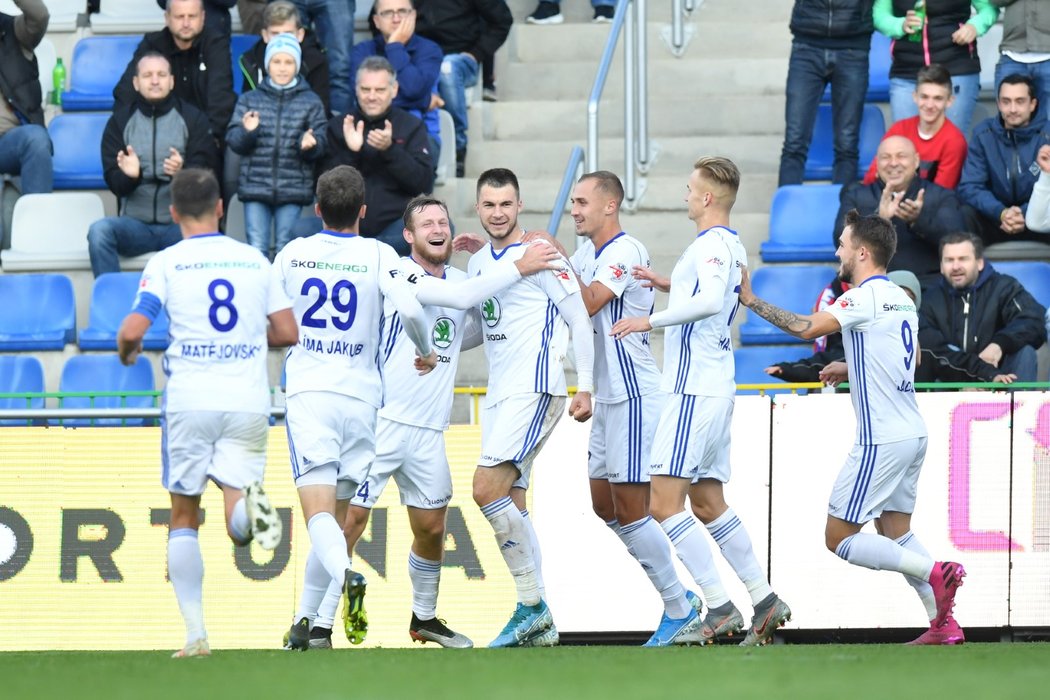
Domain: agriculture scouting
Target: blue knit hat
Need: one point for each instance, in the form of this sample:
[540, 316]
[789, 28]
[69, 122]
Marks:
[284, 43]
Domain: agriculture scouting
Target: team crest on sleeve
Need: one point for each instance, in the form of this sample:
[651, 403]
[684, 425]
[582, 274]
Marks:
[444, 332]
[491, 312]
[846, 302]
[619, 271]
[144, 281]
[715, 260]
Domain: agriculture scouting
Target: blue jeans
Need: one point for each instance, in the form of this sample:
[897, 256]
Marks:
[257, 219]
[26, 151]
[810, 69]
[965, 89]
[116, 236]
[1040, 72]
[1024, 364]
[333, 20]
[458, 72]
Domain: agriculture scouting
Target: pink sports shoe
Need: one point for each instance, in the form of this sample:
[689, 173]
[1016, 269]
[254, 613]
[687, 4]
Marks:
[945, 579]
[947, 634]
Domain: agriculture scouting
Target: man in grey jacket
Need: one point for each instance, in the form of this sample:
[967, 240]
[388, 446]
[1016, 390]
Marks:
[145, 143]
[1025, 47]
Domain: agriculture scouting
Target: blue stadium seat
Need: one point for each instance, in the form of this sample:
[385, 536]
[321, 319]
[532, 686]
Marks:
[801, 223]
[111, 300]
[239, 43]
[98, 63]
[879, 60]
[792, 287]
[821, 157]
[77, 139]
[83, 373]
[20, 374]
[1035, 276]
[752, 360]
[40, 312]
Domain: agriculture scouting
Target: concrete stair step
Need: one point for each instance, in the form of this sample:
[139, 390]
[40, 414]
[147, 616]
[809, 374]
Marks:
[576, 12]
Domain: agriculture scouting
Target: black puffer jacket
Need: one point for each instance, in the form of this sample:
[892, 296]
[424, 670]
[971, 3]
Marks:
[19, 76]
[956, 325]
[274, 169]
[314, 66]
[833, 24]
[943, 18]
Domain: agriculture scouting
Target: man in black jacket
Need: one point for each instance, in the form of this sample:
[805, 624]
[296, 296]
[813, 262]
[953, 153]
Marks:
[25, 147]
[976, 325]
[200, 63]
[921, 212]
[145, 143]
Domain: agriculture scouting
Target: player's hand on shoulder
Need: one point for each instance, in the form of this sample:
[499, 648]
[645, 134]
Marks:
[746, 295]
[834, 373]
[537, 258]
[651, 280]
[424, 365]
[466, 241]
[580, 409]
[544, 237]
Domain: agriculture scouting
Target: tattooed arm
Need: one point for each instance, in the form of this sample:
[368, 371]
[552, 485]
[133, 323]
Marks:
[805, 326]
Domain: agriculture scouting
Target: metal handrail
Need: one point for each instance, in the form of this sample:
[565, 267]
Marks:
[572, 171]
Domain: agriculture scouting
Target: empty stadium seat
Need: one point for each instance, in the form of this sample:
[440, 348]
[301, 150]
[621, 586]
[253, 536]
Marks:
[1035, 276]
[822, 149]
[801, 223]
[751, 362]
[105, 373]
[127, 17]
[40, 312]
[879, 61]
[792, 287]
[111, 300]
[98, 63]
[49, 231]
[77, 140]
[20, 374]
[239, 43]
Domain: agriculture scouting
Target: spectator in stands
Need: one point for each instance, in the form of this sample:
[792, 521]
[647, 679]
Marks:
[941, 146]
[200, 63]
[281, 17]
[416, 60]
[145, 143]
[1001, 168]
[1037, 217]
[549, 12]
[1025, 47]
[333, 20]
[278, 130]
[831, 43]
[388, 146]
[467, 31]
[216, 15]
[921, 212]
[977, 325]
[948, 36]
[25, 147]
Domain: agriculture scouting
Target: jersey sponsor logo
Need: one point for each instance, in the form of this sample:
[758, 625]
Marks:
[226, 265]
[619, 271]
[323, 265]
[898, 307]
[491, 312]
[495, 336]
[444, 332]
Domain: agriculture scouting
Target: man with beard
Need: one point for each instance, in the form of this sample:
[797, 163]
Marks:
[410, 441]
[878, 482]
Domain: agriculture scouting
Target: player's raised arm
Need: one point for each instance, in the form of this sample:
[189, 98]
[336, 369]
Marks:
[401, 294]
[805, 326]
[468, 293]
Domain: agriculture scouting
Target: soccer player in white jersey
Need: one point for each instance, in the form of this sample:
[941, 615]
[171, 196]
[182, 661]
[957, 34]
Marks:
[338, 282]
[879, 327]
[691, 448]
[410, 441]
[526, 337]
[219, 297]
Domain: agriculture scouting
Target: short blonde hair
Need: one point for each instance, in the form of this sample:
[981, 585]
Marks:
[722, 173]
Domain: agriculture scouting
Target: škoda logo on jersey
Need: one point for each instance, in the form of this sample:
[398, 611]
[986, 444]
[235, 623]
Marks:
[491, 312]
[444, 332]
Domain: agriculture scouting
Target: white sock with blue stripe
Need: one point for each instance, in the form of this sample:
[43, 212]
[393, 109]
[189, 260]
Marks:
[240, 528]
[315, 583]
[731, 537]
[615, 526]
[512, 538]
[186, 571]
[537, 556]
[878, 552]
[647, 542]
[426, 576]
[695, 553]
[910, 542]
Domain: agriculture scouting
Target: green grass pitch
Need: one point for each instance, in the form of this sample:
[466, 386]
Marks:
[849, 672]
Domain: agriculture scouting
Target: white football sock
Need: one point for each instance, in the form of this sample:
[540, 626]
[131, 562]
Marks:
[326, 611]
[315, 583]
[537, 556]
[186, 571]
[512, 538]
[650, 547]
[878, 552]
[695, 553]
[327, 540]
[426, 576]
[910, 542]
[731, 537]
[239, 525]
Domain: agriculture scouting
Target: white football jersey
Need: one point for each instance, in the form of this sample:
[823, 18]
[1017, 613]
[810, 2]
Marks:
[525, 336]
[337, 282]
[880, 330]
[698, 356]
[218, 293]
[423, 401]
[623, 369]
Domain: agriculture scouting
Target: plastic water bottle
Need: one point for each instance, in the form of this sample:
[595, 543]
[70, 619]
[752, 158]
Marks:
[58, 82]
[920, 12]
